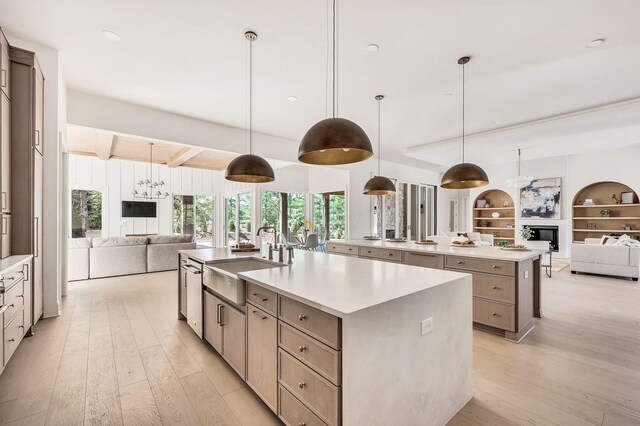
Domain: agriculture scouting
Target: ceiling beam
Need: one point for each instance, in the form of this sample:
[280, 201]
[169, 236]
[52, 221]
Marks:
[182, 156]
[104, 146]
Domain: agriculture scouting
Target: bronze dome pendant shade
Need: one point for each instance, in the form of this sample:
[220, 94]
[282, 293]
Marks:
[379, 185]
[334, 140]
[464, 175]
[250, 168]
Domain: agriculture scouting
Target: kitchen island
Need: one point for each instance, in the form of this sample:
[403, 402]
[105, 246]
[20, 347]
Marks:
[506, 284]
[334, 340]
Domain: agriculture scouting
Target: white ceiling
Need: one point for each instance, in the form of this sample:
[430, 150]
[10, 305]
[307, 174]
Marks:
[529, 61]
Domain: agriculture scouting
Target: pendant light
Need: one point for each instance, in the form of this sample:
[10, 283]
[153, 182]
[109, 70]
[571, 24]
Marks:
[250, 168]
[519, 181]
[379, 185]
[464, 175]
[334, 140]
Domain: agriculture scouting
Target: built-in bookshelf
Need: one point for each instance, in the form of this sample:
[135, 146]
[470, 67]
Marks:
[589, 221]
[502, 227]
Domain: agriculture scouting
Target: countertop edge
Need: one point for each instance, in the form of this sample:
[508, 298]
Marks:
[12, 261]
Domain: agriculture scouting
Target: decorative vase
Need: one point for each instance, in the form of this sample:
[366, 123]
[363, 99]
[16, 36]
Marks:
[495, 215]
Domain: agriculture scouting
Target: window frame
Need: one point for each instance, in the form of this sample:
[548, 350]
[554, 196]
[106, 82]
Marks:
[104, 191]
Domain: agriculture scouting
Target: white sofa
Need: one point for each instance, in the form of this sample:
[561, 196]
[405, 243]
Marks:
[605, 259]
[109, 257]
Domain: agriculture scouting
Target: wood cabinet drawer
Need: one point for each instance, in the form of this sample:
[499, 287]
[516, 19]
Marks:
[262, 355]
[260, 296]
[13, 334]
[317, 393]
[14, 297]
[495, 314]
[324, 327]
[499, 267]
[426, 260]
[11, 276]
[293, 412]
[342, 249]
[380, 253]
[496, 287]
[320, 357]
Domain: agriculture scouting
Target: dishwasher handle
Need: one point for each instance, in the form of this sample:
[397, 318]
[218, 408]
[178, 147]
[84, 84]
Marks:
[192, 269]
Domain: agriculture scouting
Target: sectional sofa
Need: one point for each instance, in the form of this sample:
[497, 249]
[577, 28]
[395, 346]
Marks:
[110, 257]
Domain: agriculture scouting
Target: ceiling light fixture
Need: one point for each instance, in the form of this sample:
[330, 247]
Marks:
[373, 48]
[110, 35]
[292, 98]
[379, 185]
[334, 140]
[149, 188]
[464, 175]
[518, 181]
[250, 168]
[594, 43]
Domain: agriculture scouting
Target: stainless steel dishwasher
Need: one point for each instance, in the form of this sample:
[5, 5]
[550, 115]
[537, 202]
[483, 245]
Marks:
[191, 273]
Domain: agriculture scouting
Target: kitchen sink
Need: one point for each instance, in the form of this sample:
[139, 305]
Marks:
[222, 277]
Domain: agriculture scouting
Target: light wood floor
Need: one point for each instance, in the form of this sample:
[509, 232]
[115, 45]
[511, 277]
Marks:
[118, 355]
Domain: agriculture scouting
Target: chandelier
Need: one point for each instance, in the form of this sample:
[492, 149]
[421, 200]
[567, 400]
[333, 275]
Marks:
[519, 181]
[150, 189]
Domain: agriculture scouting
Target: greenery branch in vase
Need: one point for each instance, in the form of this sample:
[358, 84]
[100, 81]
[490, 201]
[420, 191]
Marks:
[526, 233]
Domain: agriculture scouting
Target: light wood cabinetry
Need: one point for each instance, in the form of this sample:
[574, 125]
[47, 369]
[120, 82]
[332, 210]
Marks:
[426, 260]
[377, 253]
[5, 66]
[5, 154]
[499, 267]
[320, 325]
[590, 222]
[502, 227]
[263, 298]
[6, 235]
[224, 329]
[262, 358]
[344, 249]
[16, 308]
[27, 166]
[295, 413]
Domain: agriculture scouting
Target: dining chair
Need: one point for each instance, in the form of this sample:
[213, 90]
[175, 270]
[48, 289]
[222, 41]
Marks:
[323, 243]
[547, 257]
[312, 242]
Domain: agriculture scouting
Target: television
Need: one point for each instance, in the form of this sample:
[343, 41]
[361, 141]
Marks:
[139, 209]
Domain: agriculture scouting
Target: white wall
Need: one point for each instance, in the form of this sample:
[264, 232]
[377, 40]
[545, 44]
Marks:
[116, 178]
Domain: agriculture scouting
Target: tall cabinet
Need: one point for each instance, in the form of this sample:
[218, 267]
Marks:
[5, 147]
[27, 166]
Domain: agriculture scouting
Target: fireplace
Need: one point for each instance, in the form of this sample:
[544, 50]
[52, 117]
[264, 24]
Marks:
[545, 233]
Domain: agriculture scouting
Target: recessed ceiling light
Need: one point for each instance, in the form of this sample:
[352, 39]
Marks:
[292, 98]
[594, 43]
[373, 48]
[111, 35]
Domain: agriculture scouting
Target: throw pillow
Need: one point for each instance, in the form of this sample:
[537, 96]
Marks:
[474, 236]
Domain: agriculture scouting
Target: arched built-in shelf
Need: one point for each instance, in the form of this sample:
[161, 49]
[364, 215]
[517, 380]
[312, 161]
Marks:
[589, 222]
[503, 227]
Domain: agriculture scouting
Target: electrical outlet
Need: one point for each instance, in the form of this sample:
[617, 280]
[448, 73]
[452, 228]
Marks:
[526, 274]
[426, 326]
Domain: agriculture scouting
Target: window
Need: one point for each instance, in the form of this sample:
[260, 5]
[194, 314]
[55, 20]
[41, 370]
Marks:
[86, 212]
[194, 215]
[295, 214]
[409, 213]
[270, 209]
[329, 214]
[238, 219]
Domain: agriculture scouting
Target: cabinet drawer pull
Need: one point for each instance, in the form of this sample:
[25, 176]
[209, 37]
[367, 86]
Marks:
[369, 251]
[349, 249]
[218, 313]
[302, 348]
[495, 287]
[4, 78]
[302, 424]
[302, 317]
[495, 266]
[221, 315]
[390, 254]
[494, 314]
[259, 315]
[21, 326]
[460, 262]
[3, 308]
[301, 385]
[12, 340]
[260, 296]
[20, 295]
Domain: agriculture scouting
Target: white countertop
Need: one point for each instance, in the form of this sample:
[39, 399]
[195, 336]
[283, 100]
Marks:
[483, 252]
[343, 285]
[10, 262]
[215, 254]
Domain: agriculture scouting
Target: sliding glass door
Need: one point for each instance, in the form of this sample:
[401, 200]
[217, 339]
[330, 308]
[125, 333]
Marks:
[409, 213]
[193, 214]
[238, 217]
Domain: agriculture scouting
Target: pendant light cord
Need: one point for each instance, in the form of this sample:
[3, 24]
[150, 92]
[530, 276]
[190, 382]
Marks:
[334, 74]
[463, 117]
[250, 96]
[379, 149]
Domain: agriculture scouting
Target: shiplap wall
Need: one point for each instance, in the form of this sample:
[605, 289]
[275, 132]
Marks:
[116, 179]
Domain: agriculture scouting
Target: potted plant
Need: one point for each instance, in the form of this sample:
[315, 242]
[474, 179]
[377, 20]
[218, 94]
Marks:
[605, 213]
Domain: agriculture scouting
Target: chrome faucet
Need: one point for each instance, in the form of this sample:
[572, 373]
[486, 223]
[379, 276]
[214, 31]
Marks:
[290, 252]
[265, 228]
